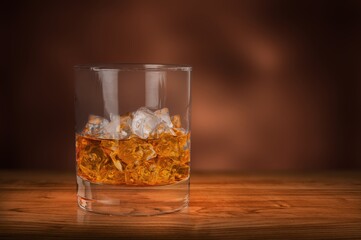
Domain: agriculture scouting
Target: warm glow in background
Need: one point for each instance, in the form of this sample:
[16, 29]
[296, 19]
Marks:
[276, 84]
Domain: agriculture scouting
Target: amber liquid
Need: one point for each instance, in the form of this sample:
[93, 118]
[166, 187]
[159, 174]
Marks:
[134, 161]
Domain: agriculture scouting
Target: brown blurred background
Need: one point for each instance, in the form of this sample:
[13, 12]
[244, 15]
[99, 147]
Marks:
[276, 84]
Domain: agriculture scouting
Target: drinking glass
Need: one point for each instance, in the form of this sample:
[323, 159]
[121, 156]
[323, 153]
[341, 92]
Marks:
[133, 138]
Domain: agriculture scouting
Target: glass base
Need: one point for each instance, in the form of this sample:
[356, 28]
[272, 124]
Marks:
[129, 200]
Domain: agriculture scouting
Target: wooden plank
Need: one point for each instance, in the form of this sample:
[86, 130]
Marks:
[42, 205]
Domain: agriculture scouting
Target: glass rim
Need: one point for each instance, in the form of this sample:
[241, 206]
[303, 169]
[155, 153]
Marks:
[134, 67]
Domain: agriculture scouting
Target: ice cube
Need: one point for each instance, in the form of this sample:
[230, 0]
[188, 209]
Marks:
[160, 129]
[163, 115]
[113, 126]
[176, 120]
[95, 125]
[135, 150]
[119, 126]
[165, 125]
[144, 122]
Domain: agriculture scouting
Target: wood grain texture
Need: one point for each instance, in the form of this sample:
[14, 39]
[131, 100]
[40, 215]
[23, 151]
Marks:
[42, 205]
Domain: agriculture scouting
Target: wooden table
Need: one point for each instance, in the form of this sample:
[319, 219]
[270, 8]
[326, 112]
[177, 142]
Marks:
[324, 205]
